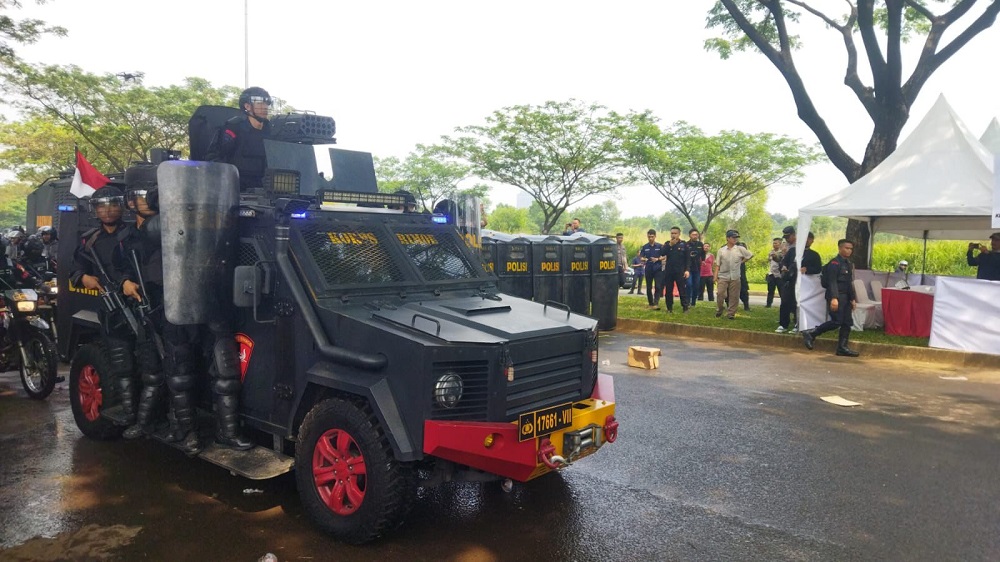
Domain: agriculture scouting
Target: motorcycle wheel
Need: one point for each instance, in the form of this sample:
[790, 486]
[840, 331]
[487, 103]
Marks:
[39, 365]
[90, 392]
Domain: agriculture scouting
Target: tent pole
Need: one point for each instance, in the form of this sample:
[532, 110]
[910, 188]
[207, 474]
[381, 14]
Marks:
[923, 264]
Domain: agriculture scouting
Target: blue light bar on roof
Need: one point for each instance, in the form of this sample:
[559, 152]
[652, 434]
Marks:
[67, 208]
[298, 215]
[440, 219]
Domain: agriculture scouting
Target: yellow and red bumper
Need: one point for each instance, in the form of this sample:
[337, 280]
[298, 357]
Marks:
[496, 448]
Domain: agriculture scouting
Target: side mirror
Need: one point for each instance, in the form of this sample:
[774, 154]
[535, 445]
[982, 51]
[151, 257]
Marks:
[247, 286]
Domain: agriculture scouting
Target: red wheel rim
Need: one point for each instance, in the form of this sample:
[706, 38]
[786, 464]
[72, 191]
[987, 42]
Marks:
[339, 472]
[91, 396]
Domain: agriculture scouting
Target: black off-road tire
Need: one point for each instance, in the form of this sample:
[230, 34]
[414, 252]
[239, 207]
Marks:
[39, 347]
[388, 486]
[90, 391]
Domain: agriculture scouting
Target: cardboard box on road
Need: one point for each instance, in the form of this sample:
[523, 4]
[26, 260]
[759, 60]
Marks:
[644, 357]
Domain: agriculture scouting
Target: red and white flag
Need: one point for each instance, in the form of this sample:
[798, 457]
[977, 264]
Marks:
[87, 179]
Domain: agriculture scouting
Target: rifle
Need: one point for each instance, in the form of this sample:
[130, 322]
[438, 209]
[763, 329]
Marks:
[113, 301]
[145, 308]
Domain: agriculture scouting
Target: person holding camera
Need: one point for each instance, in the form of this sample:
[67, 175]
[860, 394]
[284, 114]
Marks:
[988, 260]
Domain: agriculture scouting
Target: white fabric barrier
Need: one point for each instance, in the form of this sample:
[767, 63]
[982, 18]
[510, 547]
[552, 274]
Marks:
[812, 302]
[965, 313]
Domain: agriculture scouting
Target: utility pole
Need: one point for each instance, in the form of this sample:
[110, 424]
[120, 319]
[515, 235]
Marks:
[246, 44]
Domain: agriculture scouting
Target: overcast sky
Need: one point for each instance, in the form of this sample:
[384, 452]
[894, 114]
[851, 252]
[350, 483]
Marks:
[397, 73]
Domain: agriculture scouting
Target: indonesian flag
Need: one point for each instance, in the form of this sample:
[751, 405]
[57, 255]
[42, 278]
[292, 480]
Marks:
[87, 179]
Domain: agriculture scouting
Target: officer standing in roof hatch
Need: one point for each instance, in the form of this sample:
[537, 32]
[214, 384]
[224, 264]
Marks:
[240, 141]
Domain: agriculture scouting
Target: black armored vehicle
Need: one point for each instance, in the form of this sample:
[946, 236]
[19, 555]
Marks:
[376, 353]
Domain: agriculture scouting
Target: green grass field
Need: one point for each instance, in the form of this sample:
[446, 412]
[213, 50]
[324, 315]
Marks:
[757, 319]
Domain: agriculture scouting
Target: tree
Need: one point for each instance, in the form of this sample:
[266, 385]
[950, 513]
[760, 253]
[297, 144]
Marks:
[511, 220]
[560, 153]
[882, 27]
[597, 219]
[694, 171]
[25, 31]
[429, 174]
[119, 120]
[14, 202]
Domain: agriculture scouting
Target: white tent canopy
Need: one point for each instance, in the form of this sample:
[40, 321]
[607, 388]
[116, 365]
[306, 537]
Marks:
[991, 137]
[938, 184]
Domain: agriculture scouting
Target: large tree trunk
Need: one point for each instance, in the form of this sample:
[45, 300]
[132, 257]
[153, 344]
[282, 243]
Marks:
[882, 143]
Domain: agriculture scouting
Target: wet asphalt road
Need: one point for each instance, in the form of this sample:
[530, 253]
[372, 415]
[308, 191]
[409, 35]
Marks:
[723, 454]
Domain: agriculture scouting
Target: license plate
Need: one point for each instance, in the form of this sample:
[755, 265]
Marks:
[543, 422]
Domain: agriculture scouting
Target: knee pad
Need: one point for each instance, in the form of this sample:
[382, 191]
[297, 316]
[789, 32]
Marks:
[226, 387]
[227, 358]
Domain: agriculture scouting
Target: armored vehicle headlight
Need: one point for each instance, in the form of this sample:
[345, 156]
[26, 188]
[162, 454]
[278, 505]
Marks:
[448, 390]
[30, 306]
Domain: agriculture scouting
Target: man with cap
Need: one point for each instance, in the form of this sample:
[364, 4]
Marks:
[838, 278]
[728, 260]
[988, 260]
[786, 287]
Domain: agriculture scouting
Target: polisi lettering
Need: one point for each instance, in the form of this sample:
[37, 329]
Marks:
[550, 266]
[607, 265]
[579, 266]
[517, 266]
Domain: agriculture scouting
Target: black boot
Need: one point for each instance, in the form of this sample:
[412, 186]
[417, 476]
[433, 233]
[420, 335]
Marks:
[808, 338]
[228, 432]
[126, 391]
[842, 349]
[149, 398]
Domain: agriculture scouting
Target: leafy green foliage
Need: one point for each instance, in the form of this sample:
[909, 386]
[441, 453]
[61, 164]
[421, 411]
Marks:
[24, 31]
[692, 170]
[505, 218]
[560, 153]
[14, 203]
[428, 173]
[115, 121]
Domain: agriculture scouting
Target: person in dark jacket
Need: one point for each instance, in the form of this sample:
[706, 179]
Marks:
[678, 259]
[697, 252]
[811, 263]
[240, 141]
[786, 286]
[838, 276]
[988, 261]
[651, 255]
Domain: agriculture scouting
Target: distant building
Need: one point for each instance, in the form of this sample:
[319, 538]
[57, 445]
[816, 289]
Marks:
[524, 200]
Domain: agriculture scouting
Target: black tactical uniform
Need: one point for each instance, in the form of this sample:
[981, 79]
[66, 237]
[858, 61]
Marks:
[150, 366]
[653, 272]
[696, 251]
[118, 339]
[786, 288]
[838, 276]
[240, 144]
[678, 258]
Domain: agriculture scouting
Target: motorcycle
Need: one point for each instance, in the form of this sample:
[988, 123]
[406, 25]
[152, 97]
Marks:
[25, 343]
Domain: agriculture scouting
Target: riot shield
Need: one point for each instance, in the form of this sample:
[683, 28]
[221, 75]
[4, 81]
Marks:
[199, 205]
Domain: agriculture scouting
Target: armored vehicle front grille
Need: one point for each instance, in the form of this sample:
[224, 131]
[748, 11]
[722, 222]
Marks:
[438, 257]
[475, 390]
[347, 255]
[247, 254]
[545, 382]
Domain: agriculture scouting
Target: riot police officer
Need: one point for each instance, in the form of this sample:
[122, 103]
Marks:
[240, 141]
[50, 241]
[141, 262]
[838, 279]
[106, 243]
